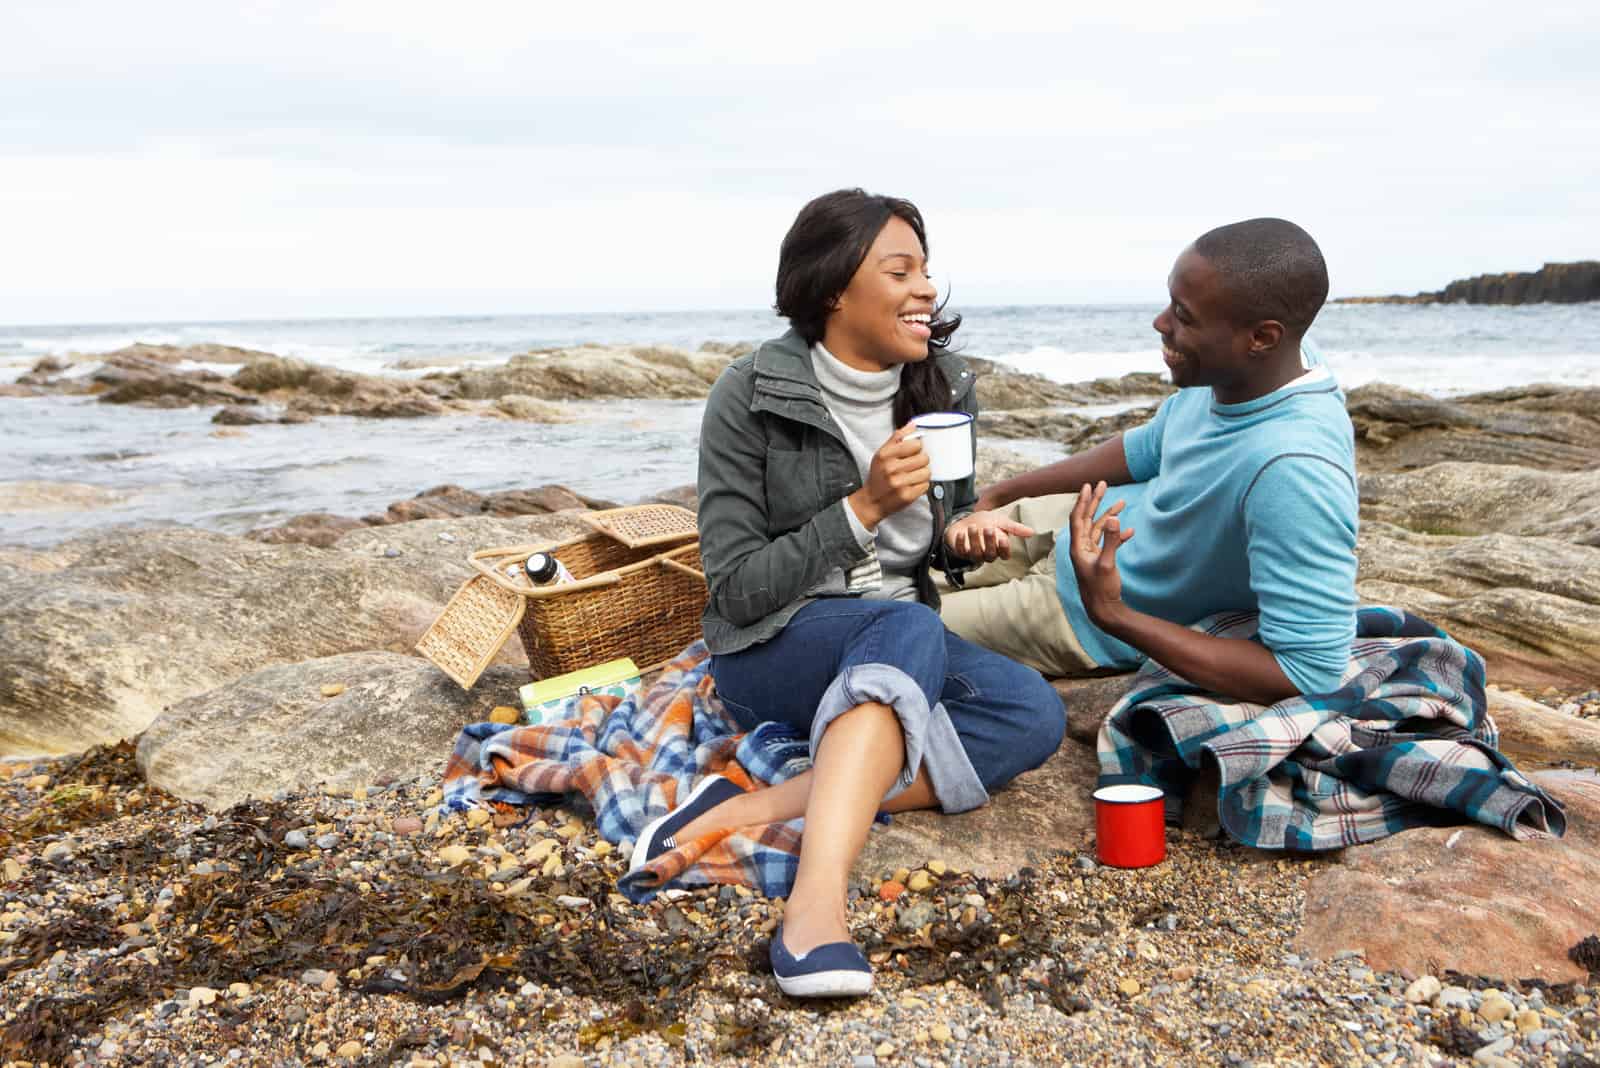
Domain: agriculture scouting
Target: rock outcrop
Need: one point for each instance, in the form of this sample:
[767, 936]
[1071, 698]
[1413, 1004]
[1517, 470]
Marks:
[100, 633]
[1467, 899]
[1530, 605]
[395, 717]
[1553, 428]
[441, 502]
[1469, 499]
[1554, 283]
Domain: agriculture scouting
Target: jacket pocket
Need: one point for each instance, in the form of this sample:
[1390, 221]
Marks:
[793, 487]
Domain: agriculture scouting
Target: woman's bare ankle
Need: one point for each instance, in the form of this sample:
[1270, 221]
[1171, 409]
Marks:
[806, 928]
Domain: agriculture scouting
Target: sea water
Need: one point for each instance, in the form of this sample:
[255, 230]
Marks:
[167, 466]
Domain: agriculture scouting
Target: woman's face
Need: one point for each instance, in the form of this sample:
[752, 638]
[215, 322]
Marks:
[882, 317]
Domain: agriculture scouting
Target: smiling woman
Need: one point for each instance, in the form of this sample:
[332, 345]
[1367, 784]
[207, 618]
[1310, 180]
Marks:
[819, 523]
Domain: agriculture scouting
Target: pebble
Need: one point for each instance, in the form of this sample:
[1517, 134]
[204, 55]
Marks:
[938, 867]
[315, 977]
[571, 901]
[504, 714]
[406, 826]
[57, 851]
[202, 995]
[1455, 997]
[350, 1050]
[455, 854]
[891, 890]
[1424, 990]
[1528, 1020]
[940, 1033]
[332, 689]
[12, 869]
[477, 817]
[884, 1049]
[864, 1060]
[1495, 1008]
[1129, 987]
[920, 882]
[296, 839]
[327, 841]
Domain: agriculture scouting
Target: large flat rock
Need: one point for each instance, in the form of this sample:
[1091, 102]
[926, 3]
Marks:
[99, 634]
[396, 718]
[1468, 899]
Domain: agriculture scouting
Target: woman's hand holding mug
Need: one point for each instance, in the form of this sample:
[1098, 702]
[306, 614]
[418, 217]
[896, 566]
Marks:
[898, 476]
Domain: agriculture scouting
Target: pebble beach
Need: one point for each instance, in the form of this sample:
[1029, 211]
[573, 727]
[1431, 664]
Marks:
[365, 927]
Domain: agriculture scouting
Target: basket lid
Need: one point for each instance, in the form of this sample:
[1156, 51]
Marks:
[644, 524]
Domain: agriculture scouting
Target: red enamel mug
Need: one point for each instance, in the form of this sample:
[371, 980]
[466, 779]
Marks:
[1130, 825]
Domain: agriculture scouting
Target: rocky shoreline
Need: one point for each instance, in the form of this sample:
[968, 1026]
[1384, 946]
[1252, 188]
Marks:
[1554, 283]
[262, 870]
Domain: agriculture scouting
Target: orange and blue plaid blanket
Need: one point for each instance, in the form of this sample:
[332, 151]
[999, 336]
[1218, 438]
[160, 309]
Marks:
[632, 759]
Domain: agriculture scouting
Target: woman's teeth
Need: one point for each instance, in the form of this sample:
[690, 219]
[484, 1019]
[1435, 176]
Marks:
[918, 318]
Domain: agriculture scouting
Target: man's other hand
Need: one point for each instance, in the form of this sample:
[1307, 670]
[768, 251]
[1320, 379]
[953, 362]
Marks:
[1094, 554]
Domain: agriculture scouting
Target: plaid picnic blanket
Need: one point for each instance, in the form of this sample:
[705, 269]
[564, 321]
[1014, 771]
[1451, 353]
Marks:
[632, 758]
[1405, 742]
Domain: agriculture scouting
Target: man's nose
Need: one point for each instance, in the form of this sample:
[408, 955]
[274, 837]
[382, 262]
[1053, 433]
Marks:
[1161, 321]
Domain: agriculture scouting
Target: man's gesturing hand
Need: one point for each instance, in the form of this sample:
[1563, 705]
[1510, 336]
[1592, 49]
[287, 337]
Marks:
[898, 476]
[984, 536]
[1094, 554]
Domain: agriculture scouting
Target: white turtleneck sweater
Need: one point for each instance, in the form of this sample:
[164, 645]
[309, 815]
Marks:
[862, 406]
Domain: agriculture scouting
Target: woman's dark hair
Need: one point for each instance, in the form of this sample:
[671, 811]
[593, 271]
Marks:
[820, 254]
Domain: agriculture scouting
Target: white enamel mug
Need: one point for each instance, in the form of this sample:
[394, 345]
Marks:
[947, 439]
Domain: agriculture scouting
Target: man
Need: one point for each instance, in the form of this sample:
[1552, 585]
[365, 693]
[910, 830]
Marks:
[1240, 495]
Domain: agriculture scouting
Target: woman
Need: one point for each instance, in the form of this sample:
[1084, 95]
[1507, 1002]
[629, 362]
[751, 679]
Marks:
[817, 530]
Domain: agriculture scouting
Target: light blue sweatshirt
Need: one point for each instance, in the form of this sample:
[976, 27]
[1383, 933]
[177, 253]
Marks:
[1240, 507]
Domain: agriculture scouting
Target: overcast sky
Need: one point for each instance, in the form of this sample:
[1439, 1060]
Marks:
[198, 161]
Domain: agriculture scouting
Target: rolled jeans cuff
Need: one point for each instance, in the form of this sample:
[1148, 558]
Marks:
[931, 740]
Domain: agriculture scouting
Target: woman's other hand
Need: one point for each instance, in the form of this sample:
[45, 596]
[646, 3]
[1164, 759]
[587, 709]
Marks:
[898, 476]
[984, 536]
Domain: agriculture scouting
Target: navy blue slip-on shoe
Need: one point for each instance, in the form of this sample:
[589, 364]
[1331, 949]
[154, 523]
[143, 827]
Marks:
[836, 970]
[657, 837]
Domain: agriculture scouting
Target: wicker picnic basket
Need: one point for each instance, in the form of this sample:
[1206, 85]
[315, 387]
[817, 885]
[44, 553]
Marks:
[639, 593]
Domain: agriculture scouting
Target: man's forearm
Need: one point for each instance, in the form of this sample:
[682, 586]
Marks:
[1235, 667]
[1106, 463]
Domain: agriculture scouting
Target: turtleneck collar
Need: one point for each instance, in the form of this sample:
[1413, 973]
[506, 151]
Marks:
[840, 380]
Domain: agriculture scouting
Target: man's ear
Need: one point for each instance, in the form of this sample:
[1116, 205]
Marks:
[1264, 337]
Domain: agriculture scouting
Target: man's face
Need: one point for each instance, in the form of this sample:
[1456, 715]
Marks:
[1200, 341]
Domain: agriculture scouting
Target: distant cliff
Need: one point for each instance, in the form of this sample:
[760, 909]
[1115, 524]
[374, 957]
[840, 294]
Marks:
[1554, 283]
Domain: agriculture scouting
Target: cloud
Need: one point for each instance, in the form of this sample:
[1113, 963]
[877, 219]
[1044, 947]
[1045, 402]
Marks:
[179, 159]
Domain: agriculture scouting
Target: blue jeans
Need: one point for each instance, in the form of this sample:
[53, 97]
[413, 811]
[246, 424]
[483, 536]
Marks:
[974, 719]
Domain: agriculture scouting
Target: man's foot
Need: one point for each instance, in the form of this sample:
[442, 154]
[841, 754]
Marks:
[834, 970]
[659, 836]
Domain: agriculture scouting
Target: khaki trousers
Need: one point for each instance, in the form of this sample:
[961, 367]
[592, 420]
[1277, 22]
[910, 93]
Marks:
[1011, 606]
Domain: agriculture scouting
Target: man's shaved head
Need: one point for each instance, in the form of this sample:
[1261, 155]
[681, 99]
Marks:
[1272, 270]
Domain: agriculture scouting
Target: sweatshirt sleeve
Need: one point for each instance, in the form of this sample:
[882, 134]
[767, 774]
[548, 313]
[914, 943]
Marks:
[1300, 518]
[1141, 446]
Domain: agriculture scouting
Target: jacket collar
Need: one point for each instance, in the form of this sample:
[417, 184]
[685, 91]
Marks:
[788, 359]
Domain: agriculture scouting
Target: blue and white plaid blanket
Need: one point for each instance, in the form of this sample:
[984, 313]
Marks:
[1406, 741]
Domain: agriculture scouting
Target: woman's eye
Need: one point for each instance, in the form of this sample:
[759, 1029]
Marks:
[898, 274]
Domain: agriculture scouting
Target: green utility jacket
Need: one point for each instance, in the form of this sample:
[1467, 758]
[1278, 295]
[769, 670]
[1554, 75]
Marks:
[774, 473]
